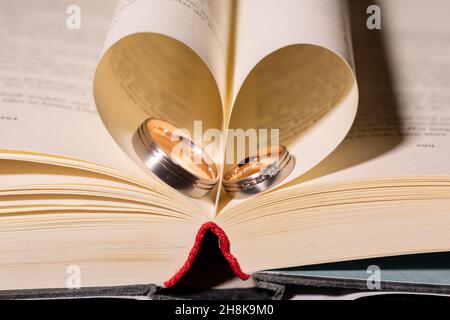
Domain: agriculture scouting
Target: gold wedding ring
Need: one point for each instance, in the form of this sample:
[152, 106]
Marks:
[259, 172]
[175, 158]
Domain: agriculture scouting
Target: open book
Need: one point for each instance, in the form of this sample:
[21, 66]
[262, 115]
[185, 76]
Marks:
[370, 178]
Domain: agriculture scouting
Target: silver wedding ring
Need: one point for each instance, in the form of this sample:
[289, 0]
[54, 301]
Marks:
[259, 172]
[175, 158]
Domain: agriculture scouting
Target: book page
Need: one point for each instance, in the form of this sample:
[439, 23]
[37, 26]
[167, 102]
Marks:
[293, 73]
[403, 122]
[46, 103]
[164, 59]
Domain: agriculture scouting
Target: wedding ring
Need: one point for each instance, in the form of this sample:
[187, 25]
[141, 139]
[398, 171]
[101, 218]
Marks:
[175, 158]
[259, 172]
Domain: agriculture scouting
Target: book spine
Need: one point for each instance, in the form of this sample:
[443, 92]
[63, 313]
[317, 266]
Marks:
[224, 245]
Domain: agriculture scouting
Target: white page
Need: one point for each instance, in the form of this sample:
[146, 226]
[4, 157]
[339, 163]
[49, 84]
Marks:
[46, 103]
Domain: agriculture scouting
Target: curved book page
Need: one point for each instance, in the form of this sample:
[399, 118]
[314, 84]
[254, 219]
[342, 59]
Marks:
[163, 59]
[294, 72]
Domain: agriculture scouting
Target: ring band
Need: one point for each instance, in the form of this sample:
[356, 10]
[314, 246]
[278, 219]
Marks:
[259, 172]
[164, 153]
